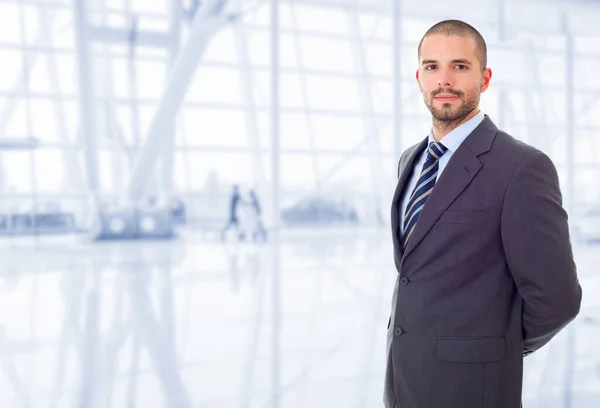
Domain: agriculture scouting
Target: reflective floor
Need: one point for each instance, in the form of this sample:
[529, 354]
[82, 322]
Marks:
[196, 323]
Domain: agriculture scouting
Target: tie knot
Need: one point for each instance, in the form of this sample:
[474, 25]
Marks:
[436, 150]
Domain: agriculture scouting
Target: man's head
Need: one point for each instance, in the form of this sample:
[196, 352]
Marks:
[452, 70]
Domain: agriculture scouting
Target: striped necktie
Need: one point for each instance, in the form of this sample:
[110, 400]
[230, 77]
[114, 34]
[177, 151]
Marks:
[422, 190]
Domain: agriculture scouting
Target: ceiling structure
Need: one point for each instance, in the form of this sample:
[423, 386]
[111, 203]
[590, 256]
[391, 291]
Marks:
[517, 13]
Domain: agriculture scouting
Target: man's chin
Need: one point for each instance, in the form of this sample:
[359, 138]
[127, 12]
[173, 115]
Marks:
[449, 115]
[446, 117]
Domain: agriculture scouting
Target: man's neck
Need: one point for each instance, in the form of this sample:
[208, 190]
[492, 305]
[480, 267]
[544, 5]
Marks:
[442, 128]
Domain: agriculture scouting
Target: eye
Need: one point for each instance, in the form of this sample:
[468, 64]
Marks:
[432, 66]
[461, 66]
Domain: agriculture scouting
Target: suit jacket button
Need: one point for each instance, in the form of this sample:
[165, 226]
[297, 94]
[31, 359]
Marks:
[398, 331]
[404, 281]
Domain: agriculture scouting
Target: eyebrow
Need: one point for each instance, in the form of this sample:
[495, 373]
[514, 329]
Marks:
[454, 61]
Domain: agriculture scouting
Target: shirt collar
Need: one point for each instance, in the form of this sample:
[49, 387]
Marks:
[454, 139]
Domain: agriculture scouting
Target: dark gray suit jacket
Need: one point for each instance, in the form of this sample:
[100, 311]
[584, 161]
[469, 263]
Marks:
[487, 277]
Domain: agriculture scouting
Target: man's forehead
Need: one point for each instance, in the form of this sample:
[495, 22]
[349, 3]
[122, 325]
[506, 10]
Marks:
[440, 41]
[448, 47]
[432, 38]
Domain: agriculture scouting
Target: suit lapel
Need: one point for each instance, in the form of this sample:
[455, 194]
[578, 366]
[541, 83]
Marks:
[405, 173]
[460, 170]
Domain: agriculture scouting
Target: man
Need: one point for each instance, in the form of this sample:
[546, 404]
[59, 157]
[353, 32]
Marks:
[485, 267]
[258, 229]
[234, 220]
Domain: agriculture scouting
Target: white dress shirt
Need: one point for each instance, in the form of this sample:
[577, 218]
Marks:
[452, 141]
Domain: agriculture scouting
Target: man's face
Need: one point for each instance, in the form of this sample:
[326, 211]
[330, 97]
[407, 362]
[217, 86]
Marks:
[450, 76]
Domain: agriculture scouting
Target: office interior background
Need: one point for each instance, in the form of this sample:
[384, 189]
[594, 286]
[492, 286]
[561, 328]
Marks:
[126, 125]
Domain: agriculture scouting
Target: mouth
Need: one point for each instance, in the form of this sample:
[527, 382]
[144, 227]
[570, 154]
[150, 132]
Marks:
[446, 97]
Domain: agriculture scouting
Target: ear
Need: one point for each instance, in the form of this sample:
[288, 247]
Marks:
[485, 82]
[418, 82]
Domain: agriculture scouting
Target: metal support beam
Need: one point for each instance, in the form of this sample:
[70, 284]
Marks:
[305, 100]
[108, 128]
[112, 35]
[366, 101]
[74, 179]
[202, 29]
[166, 174]
[17, 91]
[397, 77]
[133, 89]
[276, 207]
[501, 38]
[18, 144]
[251, 113]
[87, 120]
[570, 204]
[538, 127]
[569, 117]
[28, 113]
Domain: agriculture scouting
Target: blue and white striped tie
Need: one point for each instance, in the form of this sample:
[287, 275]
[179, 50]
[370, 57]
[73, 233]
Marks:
[422, 190]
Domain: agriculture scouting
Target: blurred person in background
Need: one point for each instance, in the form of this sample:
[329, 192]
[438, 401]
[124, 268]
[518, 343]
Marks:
[485, 270]
[234, 214]
[258, 230]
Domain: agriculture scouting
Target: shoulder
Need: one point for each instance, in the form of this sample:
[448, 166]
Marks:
[514, 153]
[517, 159]
[507, 143]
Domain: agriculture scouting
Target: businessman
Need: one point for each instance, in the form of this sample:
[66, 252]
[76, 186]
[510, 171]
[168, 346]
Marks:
[485, 270]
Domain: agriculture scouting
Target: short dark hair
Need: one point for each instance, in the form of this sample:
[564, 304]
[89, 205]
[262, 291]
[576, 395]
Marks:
[460, 28]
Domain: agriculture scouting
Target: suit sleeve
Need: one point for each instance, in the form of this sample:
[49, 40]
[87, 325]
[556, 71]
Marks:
[537, 246]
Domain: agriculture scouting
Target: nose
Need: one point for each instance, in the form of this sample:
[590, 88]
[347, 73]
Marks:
[444, 80]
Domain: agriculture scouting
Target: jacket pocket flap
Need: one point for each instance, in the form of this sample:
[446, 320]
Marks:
[471, 349]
